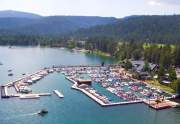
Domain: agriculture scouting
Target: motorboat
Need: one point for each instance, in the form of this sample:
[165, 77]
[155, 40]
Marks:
[25, 89]
[43, 112]
[10, 74]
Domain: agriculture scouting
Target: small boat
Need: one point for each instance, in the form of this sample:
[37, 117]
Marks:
[23, 73]
[10, 74]
[9, 70]
[1, 63]
[24, 89]
[42, 112]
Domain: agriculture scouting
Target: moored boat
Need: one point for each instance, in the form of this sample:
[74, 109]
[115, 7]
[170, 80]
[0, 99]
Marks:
[10, 74]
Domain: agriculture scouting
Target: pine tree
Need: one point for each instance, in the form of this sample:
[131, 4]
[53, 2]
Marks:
[146, 66]
[172, 73]
[161, 72]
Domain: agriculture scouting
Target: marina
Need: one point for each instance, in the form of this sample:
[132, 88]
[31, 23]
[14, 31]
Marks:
[76, 107]
[115, 80]
[22, 88]
[107, 85]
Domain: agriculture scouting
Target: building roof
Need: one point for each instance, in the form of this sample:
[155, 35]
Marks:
[139, 65]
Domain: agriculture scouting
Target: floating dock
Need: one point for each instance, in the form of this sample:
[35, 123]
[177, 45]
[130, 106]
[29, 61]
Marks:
[162, 105]
[29, 96]
[59, 94]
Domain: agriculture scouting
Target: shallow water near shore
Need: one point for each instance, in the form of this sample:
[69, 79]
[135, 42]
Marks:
[75, 107]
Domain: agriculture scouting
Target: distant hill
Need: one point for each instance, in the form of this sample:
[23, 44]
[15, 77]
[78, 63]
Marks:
[138, 28]
[14, 22]
[164, 29]
[17, 14]
[55, 25]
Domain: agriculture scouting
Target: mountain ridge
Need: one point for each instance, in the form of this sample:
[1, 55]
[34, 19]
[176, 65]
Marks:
[18, 14]
[141, 28]
[24, 23]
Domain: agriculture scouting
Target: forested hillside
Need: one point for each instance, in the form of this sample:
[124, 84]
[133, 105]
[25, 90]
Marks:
[20, 23]
[162, 29]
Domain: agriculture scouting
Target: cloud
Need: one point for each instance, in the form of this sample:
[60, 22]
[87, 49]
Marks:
[154, 3]
[164, 2]
[174, 2]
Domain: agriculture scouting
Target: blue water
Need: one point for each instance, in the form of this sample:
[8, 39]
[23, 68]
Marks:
[107, 93]
[75, 107]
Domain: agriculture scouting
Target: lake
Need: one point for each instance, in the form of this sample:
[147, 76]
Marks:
[75, 107]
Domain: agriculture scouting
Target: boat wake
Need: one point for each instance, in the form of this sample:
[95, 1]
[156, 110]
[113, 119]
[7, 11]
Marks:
[19, 116]
[29, 114]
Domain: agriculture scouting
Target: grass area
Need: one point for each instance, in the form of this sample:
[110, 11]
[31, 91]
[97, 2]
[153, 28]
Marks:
[156, 84]
[147, 45]
[100, 53]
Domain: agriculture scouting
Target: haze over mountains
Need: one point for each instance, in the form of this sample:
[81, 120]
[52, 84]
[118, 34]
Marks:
[131, 28]
[14, 22]
[17, 14]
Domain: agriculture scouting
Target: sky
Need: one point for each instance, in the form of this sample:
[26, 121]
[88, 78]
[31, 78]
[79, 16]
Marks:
[106, 8]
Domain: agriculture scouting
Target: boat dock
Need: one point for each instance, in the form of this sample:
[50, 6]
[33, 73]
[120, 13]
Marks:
[15, 84]
[98, 74]
[59, 94]
[30, 96]
[161, 105]
[99, 101]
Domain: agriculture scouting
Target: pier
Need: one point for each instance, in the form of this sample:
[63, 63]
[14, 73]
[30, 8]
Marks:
[162, 105]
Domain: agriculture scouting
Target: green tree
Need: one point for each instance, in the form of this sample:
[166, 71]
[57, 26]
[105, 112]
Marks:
[172, 73]
[136, 76]
[137, 54]
[128, 64]
[161, 72]
[146, 66]
[176, 85]
[71, 44]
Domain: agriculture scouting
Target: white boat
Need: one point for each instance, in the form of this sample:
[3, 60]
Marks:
[59, 94]
[25, 89]
[29, 82]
